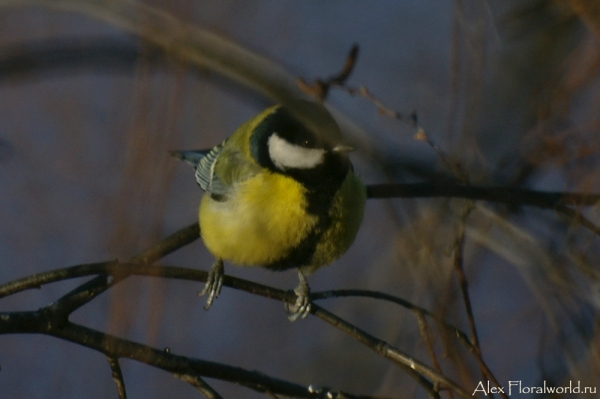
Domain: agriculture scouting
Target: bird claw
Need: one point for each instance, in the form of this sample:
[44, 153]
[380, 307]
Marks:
[301, 308]
[214, 282]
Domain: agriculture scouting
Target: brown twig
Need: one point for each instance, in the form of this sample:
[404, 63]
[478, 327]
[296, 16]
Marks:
[410, 119]
[578, 218]
[417, 310]
[320, 88]
[462, 278]
[463, 283]
[426, 334]
[88, 291]
[117, 376]
[464, 289]
[419, 371]
[197, 382]
[315, 296]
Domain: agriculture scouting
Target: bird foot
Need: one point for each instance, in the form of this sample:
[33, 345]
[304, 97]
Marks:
[301, 308]
[214, 282]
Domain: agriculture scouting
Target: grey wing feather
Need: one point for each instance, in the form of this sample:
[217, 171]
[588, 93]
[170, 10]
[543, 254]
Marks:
[204, 162]
[205, 172]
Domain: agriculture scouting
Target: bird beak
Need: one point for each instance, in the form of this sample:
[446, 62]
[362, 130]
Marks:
[343, 149]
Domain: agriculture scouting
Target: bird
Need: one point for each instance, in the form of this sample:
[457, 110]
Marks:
[280, 193]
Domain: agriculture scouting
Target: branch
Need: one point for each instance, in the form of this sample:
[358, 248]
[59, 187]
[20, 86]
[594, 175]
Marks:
[65, 54]
[55, 319]
[184, 42]
[475, 348]
[506, 195]
[320, 88]
[556, 200]
[406, 362]
[426, 334]
[90, 290]
[117, 375]
[463, 337]
[197, 382]
[418, 311]
[185, 368]
[114, 347]
[182, 273]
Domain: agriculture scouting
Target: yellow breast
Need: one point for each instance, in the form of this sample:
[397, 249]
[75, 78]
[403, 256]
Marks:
[261, 221]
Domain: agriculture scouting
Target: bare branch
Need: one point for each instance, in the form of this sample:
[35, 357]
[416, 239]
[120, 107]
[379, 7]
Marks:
[88, 291]
[117, 375]
[52, 321]
[320, 88]
[426, 334]
[113, 347]
[462, 278]
[475, 349]
[463, 337]
[200, 384]
[506, 195]
[64, 55]
[417, 370]
[181, 273]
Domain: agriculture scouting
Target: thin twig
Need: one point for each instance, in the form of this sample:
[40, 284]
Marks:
[410, 119]
[417, 370]
[36, 281]
[462, 279]
[578, 218]
[315, 296]
[197, 382]
[426, 334]
[90, 290]
[320, 88]
[463, 283]
[464, 288]
[117, 376]
[460, 335]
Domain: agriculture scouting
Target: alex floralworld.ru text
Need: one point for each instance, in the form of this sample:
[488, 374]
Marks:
[517, 387]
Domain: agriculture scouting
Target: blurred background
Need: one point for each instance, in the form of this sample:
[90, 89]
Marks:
[508, 90]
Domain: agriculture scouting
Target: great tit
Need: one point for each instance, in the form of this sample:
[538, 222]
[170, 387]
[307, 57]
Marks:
[280, 193]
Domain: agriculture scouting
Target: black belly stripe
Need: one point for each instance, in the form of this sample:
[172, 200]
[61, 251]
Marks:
[319, 202]
[302, 254]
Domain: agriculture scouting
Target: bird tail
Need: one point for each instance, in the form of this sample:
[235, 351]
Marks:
[190, 157]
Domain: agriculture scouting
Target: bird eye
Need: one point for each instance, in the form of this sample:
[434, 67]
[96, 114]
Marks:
[306, 141]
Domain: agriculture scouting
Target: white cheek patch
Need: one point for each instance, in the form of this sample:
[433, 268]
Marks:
[289, 156]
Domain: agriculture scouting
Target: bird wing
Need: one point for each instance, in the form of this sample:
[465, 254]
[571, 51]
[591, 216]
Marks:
[204, 161]
[205, 171]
